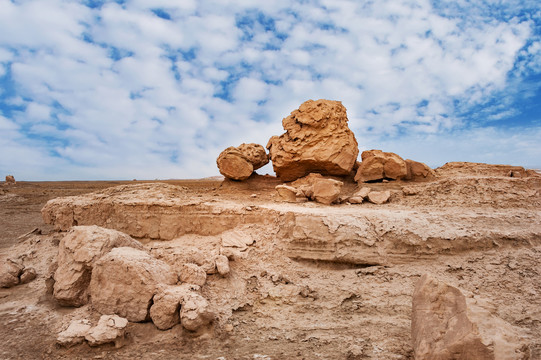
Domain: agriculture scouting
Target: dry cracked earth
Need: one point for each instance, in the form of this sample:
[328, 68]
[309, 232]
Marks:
[318, 281]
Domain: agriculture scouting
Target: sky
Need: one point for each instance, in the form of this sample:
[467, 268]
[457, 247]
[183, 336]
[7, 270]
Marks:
[156, 89]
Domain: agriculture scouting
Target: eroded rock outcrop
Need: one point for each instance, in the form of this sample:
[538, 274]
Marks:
[444, 326]
[124, 281]
[238, 163]
[77, 253]
[317, 139]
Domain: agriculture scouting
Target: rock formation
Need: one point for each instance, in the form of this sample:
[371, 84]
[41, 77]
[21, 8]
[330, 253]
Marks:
[110, 329]
[165, 310]
[445, 327]
[10, 180]
[124, 281]
[378, 165]
[77, 253]
[9, 273]
[13, 273]
[193, 274]
[317, 139]
[195, 312]
[418, 171]
[238, 163]
[75, 333]
[311, 187]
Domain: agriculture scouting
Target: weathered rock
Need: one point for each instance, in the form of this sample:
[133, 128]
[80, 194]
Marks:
[10, 180]
[379, 165]
[195, 312]
[193, 274]
[418, 171]
[124, 281]
[237, 239]
[327, 191]
[317, 139]
[355, 200]
[287, 193]
[77, 253]
[238, 163]
[9, 273]
[74, 334]
[222, 264]
[28, 275]
[110, 329]
[445, 327]
[165, 310]
[379, 197]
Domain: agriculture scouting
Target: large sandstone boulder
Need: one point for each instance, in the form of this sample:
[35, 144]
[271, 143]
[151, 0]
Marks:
[77, 253]
[238, 163]
[125, 280]
[444, 326]
[317, 139]
[10, 180]
[379, 165]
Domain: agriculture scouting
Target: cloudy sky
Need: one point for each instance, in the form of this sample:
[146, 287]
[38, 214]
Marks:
[157, 88]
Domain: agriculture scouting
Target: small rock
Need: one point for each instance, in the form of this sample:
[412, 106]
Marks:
[165, 310]
[410, 190]
[193, 274]
[229, 327]
[355, 200]
[379, 197]
[10, 180]
[363, 192]
[28, 275]
[327, 191]
[222, 264]
[74, 334]
[110, 329]
[9, 273]
[195, 312]
[287, 193]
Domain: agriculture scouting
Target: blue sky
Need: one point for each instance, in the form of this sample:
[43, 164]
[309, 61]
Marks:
[157, 88]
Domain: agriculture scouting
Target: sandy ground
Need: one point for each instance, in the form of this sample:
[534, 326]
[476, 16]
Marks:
[271, 306]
